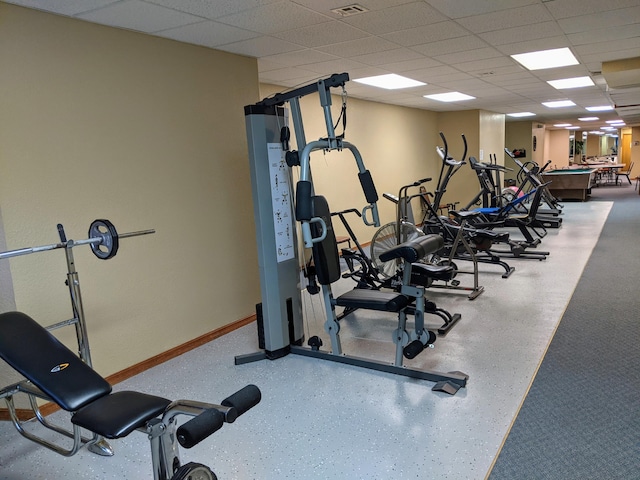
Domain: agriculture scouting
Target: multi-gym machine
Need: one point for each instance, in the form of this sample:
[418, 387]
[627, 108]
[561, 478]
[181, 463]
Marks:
[280, 318]
[55, 374]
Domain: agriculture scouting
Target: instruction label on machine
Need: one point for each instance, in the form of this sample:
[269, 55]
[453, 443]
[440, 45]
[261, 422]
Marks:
[281, 202]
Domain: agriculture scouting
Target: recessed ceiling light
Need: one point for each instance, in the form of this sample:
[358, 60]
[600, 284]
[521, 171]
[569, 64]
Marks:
[588, 119]
[601, 108]
[608, 128]
[556, 57]
[596, 132]
[573, 128]
[559, 104]
[575, 82]
[559, 125]
[614, 121]
[521, 114]
[449, 97]
[390, 81]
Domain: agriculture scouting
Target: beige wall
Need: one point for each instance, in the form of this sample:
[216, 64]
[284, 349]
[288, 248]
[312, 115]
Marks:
[149, 133]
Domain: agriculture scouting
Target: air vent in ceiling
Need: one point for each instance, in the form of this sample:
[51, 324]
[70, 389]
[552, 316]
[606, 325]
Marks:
[349, 10]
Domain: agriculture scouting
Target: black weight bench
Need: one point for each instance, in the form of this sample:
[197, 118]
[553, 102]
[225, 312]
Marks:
[408, 300]
[55, 373]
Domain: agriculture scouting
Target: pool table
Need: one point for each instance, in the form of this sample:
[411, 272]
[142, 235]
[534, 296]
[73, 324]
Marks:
[570, 184]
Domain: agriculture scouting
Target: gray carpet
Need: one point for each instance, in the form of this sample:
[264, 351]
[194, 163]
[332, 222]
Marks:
[581, 418]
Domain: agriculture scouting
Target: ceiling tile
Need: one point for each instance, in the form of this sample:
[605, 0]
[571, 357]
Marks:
[299, 57]
[466, 8]
[273, 18]
[326, 33]
[286, 75]
[512, 17]
[64, 7]
[534, 45]
[607, 19]
[575, 8]
[392, 19]
[208, 33]
[452, 45]
[212, 9]
[386, 56]
[359, 47]
[260, 47]
[598, 35]
[613, 46]
[477, 54]
[342, 65]
[426, 33]
[522, 33]
[409, 65]
[325, 6]
[140, 16]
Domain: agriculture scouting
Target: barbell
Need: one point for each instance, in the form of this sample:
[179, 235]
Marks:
[103, 239]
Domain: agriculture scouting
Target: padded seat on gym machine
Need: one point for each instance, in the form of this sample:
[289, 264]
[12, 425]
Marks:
[373, 300]
[58, 373]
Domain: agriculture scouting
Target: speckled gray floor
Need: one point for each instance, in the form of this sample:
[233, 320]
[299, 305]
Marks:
[320, 420]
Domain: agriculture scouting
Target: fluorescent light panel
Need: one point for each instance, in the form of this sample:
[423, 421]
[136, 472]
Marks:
[600, 108]
[559, 125]
[588, 119]
[449, 97]
[575, 82]
[559, 104]
[390, 81]
[556, 57]
[521, 114]
[614, 121]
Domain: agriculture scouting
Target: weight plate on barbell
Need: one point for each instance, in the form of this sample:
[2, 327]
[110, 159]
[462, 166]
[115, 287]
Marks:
[108, 245]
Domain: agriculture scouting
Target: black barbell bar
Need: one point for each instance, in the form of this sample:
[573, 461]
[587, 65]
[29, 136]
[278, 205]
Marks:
[104, 240]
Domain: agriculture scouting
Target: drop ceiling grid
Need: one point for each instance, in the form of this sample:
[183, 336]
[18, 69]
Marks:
[434, 34]
[299, 57]
[140, 16]
[395, 18]
[386, 56]
[605, 19]
[209, 33]
[522, 33]
[427, 33]
[322, 34]
[274, 18]
[260, 47]
[467, 8]
[575, 8]
[452, 45]
[512, 17]
[212, 10]
[360, 46]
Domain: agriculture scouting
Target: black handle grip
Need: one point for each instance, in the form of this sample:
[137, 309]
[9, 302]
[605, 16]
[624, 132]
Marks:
[244, 399]
[198, 428]
[63, 236]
